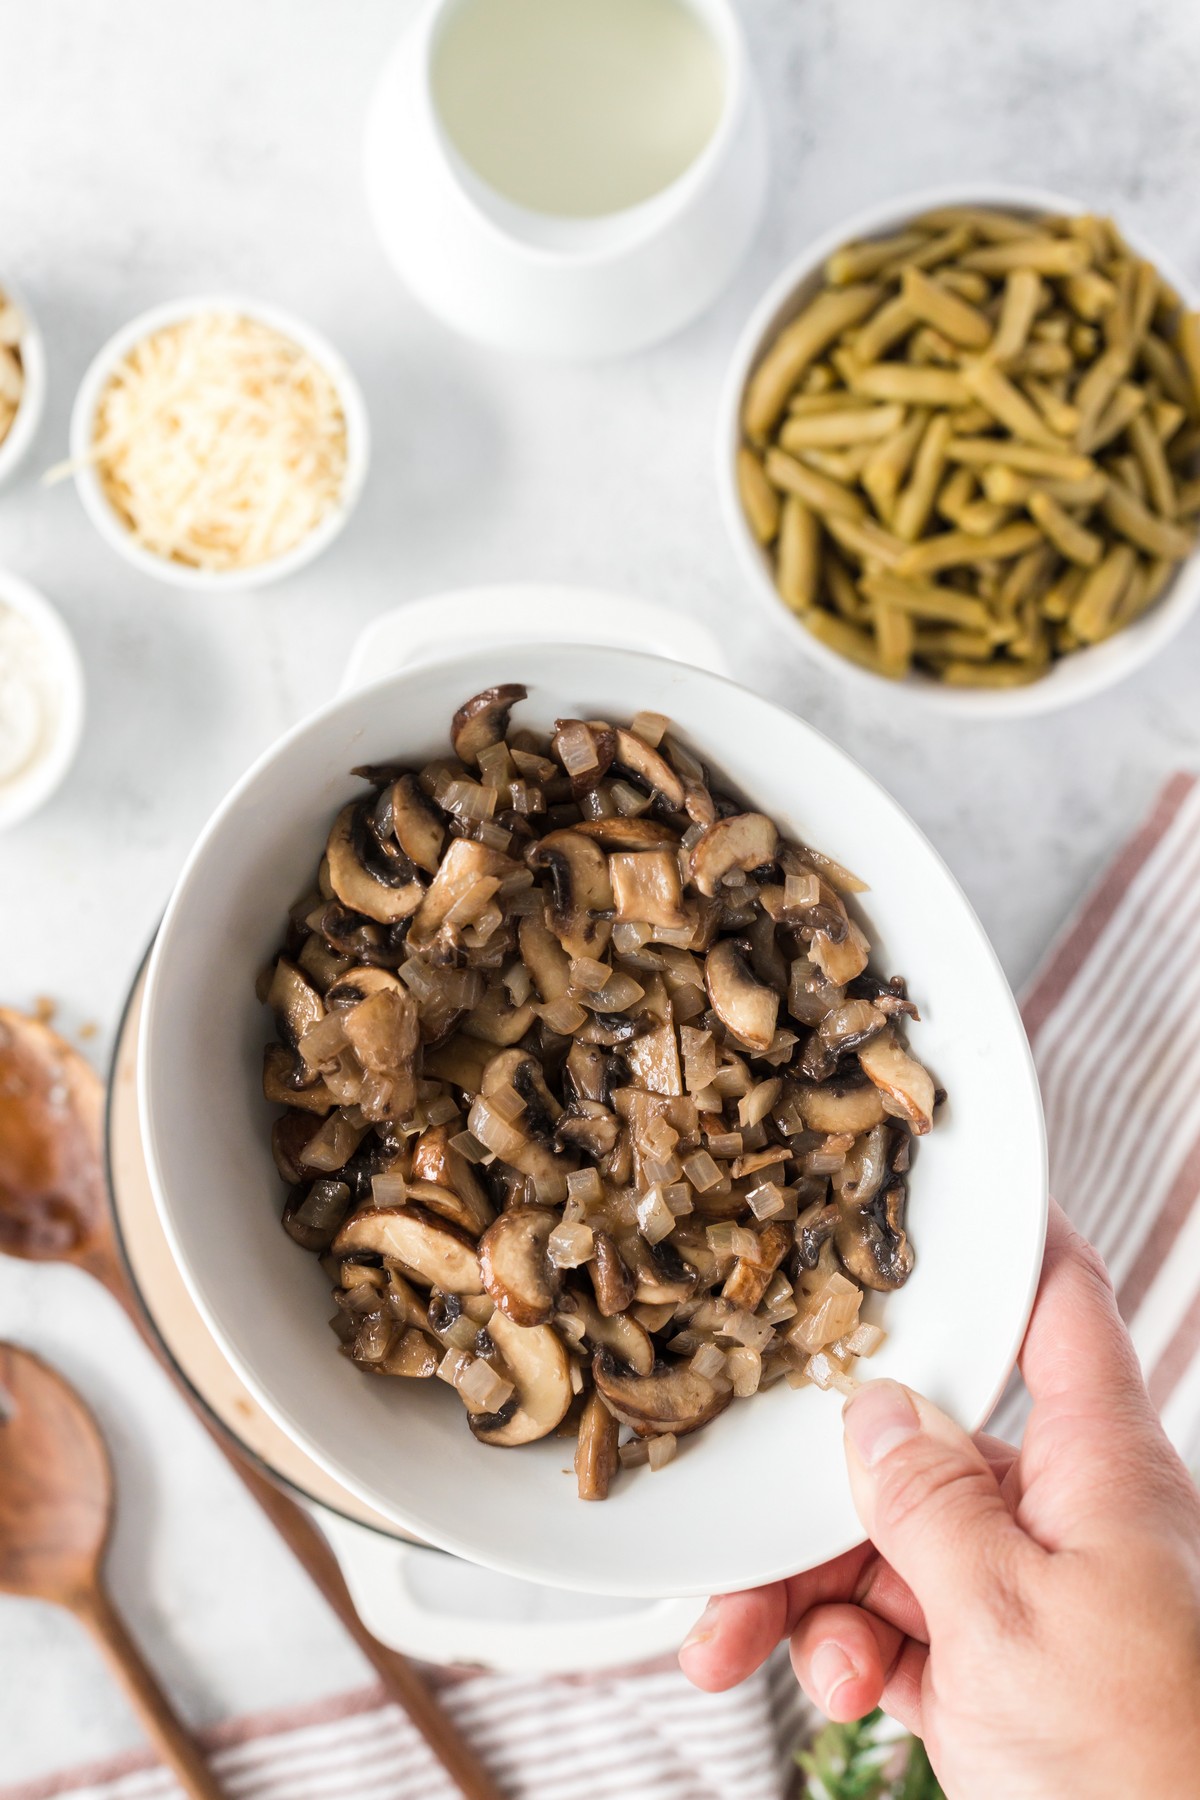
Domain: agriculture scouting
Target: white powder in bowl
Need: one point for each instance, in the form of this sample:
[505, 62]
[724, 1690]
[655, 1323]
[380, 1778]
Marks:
[28, 695]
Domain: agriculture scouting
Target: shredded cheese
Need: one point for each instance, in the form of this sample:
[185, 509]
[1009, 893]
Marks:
[220, 442]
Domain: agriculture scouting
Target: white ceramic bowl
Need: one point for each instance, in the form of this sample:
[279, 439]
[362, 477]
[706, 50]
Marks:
[14, 447]
[559, 287]
[60, 739]
[113, 529]
[763, 1492]
[1073, 677]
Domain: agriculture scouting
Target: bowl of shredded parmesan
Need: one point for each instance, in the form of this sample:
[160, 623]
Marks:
[218, 443]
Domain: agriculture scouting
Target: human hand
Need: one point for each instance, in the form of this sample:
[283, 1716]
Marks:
[1034, 1616]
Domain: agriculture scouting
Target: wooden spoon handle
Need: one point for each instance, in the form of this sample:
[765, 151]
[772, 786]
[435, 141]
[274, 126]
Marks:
[402, 1681]
[166, 1731]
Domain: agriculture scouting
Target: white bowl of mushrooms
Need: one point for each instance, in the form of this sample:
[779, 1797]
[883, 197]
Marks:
[564, 1126]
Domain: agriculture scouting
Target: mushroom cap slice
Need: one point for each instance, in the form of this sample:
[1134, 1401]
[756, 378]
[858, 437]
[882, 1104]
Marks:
[872, 1243]
[646, 888]
[537, 1366]
[612, 1282]
[436, 1160]
[281, 1071]
[360, 887]
[427, 1247]
[744, 1006]
[548, 963]
[295, 1002]
[626, 1340]
[662, 1276]
[649, 767]
[840, 1105]
[483, 720]
[446, 1203]
[629, 834]
[356, 984]
[906, 1086]
[743, 841]
[464, 863]
[578, 871]
[496, 1020]
[418, 825]
[514, 1266]
[671, 1398]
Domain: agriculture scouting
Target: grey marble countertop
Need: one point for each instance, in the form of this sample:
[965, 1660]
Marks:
[153, 150]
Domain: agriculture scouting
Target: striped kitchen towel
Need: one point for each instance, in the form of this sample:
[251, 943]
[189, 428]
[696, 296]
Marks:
[1114, 1019]
[639, 1735]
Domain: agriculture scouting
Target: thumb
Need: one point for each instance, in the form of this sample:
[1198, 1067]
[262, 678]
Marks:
[930, 1504]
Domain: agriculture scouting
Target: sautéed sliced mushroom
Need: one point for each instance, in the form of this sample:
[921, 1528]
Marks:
[593, 1107]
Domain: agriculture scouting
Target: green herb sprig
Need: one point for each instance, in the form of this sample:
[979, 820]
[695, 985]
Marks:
[850, 1762]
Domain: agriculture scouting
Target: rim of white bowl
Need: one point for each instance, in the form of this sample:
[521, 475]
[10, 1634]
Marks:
[31, 789]
[1074, 678]
[111, 527]
[14, 447]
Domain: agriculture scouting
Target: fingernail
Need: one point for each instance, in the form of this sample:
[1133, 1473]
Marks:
[831, 1669]
[878, 1418]
[704, 1630]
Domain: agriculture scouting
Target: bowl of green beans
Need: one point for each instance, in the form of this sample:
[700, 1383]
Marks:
[959, 449]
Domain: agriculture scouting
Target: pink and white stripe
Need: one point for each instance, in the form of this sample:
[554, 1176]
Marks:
[1113, 1017]
[1114, 1020]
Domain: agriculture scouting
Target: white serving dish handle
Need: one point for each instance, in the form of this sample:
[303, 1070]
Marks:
[423, 631]
[442, 1610]
[421, 1601]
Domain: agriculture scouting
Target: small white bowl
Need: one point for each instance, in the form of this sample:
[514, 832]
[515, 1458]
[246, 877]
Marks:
[1071, 678]
[30, 789]
[14, 446]
[113, 529]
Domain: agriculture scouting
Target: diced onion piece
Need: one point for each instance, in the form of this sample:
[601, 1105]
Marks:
[575, 746]
[468, 800]
[830, 1313]
[662, 1169]
[585, 1186]
[468, 1145]
[323, 1041]
[651, 727]
[745, 1370]
[421, 980]
[767, 1200]
[495, 765]
[460, 1333]
[635, 1453]
[660, 1136]
[479, 1384]
[835, 874]
[678, 1196]
[389, 1189]
[701, 1171]
[754, 1106]
[471, 906]
[618, 994]
[588, 974]
[629, 801]
[518, 982]
[333, 1143]
[660, 1449]
[494, 1131]
[778, 1302]
[570, 1246]
[452, 1365]
[780, 1048]
[725, 1143]
[745, 1329]
[575, 1375]
[440, 1110]
[733, 1079]
[819, 1369]
[655, 1218]
[699, 1057]
[375, 1337]
[652, 1318]
[688, 1002]
[629, 935]
[801, 891]
[708, 1361]
[563, 1015]
[726, 1239]
[865, 1339]
[507, 1102]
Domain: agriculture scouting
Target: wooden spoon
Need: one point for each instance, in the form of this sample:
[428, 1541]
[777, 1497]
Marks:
[54, 1207]
[56, 1502]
